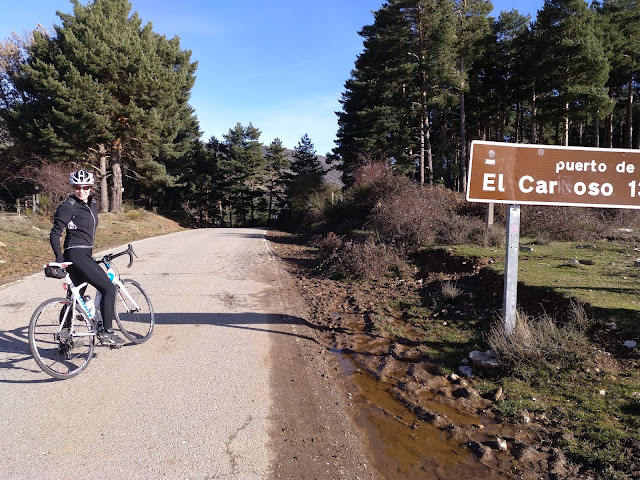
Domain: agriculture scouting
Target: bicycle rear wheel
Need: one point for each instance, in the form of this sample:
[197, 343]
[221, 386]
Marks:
[61, 352]
[134, 312]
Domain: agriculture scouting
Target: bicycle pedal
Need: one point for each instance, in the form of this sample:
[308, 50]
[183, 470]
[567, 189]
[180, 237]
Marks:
[115, 346]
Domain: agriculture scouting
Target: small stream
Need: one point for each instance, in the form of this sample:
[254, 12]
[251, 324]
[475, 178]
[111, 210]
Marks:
[403, 446]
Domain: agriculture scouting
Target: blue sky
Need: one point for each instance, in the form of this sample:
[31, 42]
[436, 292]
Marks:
[279, 64]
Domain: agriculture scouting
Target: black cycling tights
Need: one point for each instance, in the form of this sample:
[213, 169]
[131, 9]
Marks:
[85, 269]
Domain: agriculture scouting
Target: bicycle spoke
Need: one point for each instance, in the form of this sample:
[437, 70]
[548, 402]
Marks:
[55, 341]
[134, 312]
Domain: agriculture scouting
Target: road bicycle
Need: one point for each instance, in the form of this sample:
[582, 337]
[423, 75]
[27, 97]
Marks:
[62, 331]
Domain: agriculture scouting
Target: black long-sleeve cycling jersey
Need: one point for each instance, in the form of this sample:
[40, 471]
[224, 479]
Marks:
[80, 219]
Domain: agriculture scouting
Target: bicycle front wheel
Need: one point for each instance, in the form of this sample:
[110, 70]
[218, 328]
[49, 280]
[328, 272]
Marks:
[134, 312]
[61, 341]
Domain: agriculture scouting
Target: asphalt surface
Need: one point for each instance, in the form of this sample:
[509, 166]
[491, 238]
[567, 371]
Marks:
[192, 402]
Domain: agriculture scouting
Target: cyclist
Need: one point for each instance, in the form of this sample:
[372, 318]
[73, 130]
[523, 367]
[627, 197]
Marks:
[79, 215]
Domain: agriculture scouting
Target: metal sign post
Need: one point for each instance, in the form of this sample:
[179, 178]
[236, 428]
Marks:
[516, 174]
[511, 269]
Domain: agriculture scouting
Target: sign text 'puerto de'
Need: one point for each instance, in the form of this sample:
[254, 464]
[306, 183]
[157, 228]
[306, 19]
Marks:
[554, 175]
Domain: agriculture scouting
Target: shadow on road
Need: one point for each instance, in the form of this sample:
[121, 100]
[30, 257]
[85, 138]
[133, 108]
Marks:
[16, 361]
[260, 322]
[17, 364]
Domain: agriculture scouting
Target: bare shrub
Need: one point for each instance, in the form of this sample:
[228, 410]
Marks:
[373, 182]
[367, 260]
[450, 290]
[540, 341]
[413, 217]
[547, 223]
[327, 244]
[52, 179]
[456, 230]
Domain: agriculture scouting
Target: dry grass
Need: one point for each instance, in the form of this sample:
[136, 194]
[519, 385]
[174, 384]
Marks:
[537, 341]
[24, 240]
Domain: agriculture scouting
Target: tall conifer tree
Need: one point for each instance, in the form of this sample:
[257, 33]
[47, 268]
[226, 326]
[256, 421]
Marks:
[103, 79]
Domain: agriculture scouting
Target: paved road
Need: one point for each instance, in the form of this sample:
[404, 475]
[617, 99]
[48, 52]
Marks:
[192, 402]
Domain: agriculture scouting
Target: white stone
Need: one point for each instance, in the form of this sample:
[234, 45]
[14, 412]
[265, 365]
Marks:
[630, 344]
[486, 359]
[502, 444]
[466, 371]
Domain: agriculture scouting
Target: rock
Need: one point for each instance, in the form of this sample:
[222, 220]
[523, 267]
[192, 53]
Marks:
[586, 262]
[502, 444]
[636, 262]
[486, 359]
[481, 451]
[498, 395]
[466, 371]
[630, 344]
[2, 244]
[528, 454]
[526, 248]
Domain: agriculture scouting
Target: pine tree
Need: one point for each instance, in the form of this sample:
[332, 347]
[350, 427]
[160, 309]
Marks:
[305, 160]
[377, 118]
[574, 69]
[620, 23]
[104, 80]
[277, 161]
[432, 45]
[306, 176]
[472, 26]
[242, 166]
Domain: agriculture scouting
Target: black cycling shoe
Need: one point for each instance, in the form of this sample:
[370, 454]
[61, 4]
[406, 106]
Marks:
[108, 337]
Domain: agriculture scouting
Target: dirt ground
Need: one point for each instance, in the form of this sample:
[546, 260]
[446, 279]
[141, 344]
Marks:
[418, 423]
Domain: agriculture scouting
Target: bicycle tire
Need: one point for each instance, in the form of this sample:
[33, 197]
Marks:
[60, 354]
[135, 325]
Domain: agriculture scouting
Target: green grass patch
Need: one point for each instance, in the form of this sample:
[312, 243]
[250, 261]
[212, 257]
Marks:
[575, 375]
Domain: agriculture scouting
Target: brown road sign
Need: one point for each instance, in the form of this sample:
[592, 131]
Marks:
[554, 175]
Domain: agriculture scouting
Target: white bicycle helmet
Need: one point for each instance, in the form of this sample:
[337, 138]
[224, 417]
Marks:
[81, 177]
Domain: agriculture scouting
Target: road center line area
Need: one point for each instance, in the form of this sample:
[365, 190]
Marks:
[226, 387]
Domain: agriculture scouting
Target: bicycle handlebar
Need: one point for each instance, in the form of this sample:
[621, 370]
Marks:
[110, 256]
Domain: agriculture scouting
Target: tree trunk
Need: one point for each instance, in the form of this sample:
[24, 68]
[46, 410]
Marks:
[272, 187]
[628, 131]
[596, 130]
[427, 144]
[421, 158]
[565, 126]
[533, 114]
[609, 125]
[116, 171]
[104, 192]
[463, 148]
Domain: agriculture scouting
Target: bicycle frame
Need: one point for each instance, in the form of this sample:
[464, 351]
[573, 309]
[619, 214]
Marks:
[115, 279]
[76, 297]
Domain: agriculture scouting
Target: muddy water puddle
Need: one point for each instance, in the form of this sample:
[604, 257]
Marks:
[402, 445]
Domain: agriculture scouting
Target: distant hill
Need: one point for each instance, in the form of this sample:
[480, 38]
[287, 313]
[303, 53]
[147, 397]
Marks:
[331, 175]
